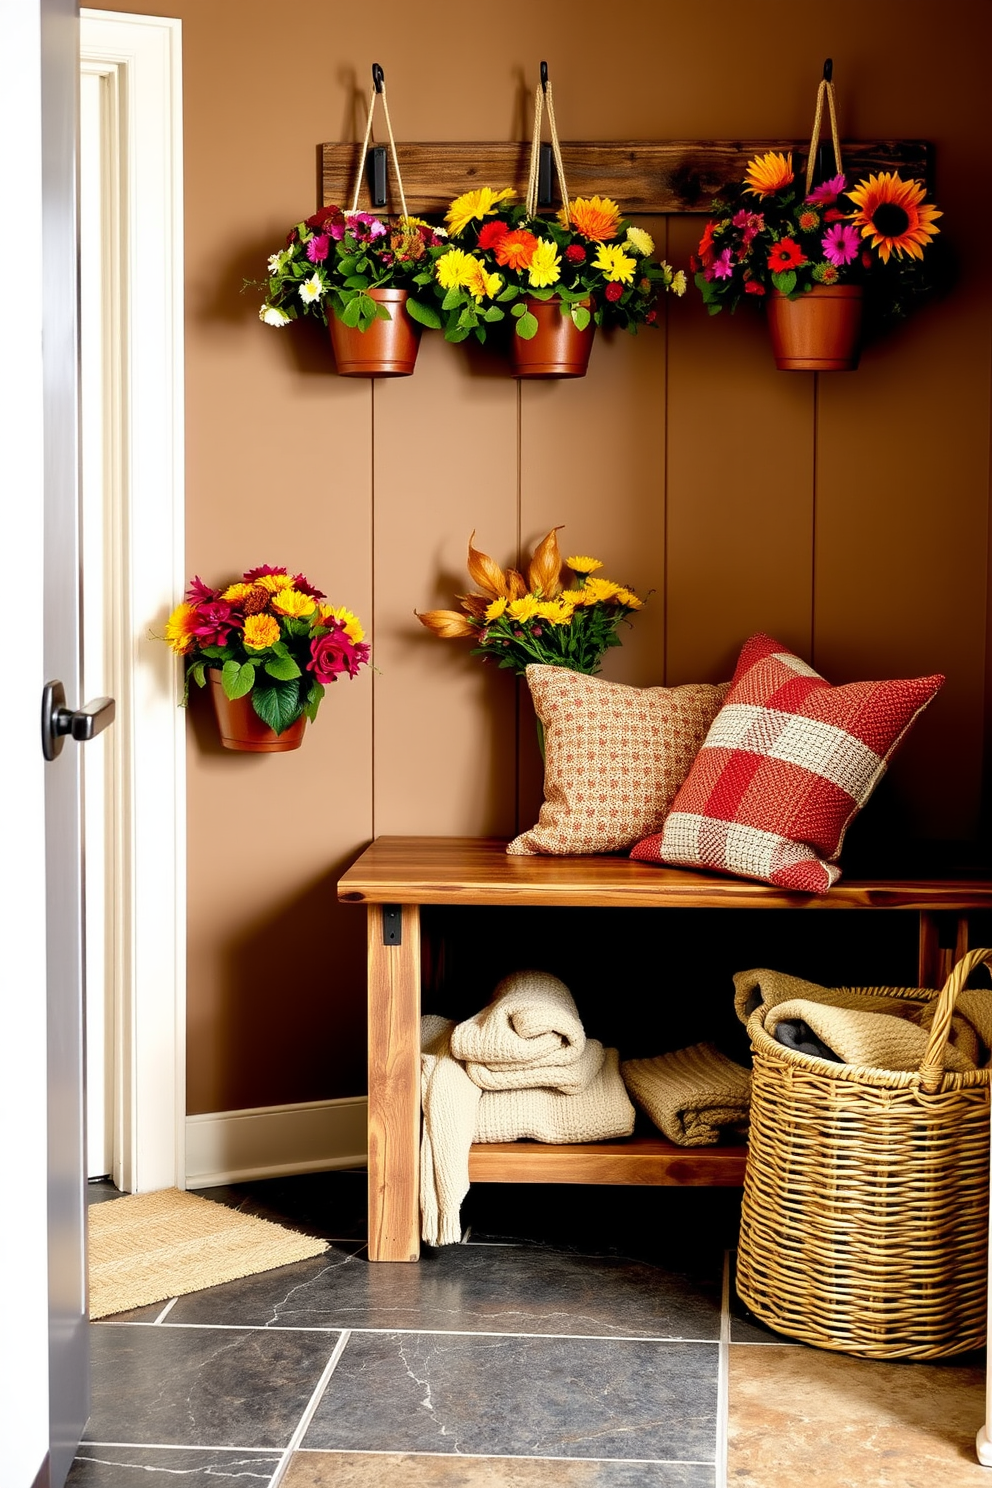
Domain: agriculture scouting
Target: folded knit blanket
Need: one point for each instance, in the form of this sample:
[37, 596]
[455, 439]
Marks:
[600, 1111]
[882, 1031]
[691, 1094]
[531, 1021]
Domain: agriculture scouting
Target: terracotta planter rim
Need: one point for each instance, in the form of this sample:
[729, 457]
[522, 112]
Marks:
[240, 727]
[388, 348]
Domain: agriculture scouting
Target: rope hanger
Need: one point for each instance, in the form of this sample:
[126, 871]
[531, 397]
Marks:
[378, 91]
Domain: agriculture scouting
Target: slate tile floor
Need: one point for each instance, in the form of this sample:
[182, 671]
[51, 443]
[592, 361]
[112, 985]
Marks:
[581, 1338]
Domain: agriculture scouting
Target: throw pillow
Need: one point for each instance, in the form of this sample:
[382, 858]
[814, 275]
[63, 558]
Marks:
[615, 756]
[785, 768]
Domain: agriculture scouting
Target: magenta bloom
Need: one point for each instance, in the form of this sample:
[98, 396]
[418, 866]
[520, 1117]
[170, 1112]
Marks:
[214, 621]
[840, 244]
[199, 591]
[260, 572]
[303, 585]
[334, 653]
[749, 223]
[721, 267]
[317, 247]
[827, 191]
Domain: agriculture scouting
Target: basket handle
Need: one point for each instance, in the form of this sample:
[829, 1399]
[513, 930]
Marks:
[825, 91]
[932, 1066]
[543, 97]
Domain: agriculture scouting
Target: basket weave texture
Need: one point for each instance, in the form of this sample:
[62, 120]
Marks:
[864, 1225]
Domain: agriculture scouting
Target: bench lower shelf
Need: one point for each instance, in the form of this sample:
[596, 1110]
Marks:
[636, 1160]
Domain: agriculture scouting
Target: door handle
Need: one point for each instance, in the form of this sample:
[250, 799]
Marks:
[59, 722]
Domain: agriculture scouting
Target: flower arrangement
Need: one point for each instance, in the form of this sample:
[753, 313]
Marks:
[269, 634]
[768, 233]
[589, 257]
[562, 614]
[334, 258]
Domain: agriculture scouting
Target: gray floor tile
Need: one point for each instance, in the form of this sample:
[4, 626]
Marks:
[542, 1397]
[332, 1206]
[139, 1467]
[201, 1386]
[476, 1289]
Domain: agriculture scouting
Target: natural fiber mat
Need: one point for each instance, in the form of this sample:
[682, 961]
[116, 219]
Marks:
[150, 1247]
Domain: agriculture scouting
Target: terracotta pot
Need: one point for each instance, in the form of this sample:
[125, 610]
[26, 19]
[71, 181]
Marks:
[559, 348]
[241, 728]
[387, 349]
[818, 332]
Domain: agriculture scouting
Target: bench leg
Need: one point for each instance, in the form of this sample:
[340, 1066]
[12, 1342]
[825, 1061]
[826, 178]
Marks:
[394, 1085]
[943, 941]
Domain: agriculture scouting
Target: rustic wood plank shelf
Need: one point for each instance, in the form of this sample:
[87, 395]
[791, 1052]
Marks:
[646, 177]
[395, 876]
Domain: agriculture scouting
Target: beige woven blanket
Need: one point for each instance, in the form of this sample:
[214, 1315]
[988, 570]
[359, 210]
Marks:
[692, 1095]
[879, 1031]
[457, 1111]
[530, 1023]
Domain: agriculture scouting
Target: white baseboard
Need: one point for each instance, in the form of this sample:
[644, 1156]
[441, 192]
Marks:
[271, 1141]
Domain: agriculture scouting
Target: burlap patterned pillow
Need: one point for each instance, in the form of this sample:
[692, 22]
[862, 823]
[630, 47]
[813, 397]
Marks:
[615, 757]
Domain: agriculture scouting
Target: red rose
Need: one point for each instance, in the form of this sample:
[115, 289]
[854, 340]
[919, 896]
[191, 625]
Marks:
[651, 317]
[575, 253]
[614, 290]
[753, 287]
[334, 653]
[491, 234]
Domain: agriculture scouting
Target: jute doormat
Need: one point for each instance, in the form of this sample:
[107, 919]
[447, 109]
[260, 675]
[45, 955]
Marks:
[150, 1247]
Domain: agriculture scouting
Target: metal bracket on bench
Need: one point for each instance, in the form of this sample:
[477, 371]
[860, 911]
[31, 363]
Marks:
[392, 924]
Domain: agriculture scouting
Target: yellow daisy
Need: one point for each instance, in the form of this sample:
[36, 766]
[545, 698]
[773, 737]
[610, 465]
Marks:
[593, 217]
[454, 268]
[179, 628]
[352, 625]
[275, 582]
[235, 592]
[616, 266]
[767, 174]
[600, 590]
[582, 565]
[544, 268]
[497, 608]
[629, 598]
[474, 205]
[642, 242]
[555, 612]
[479, 282]
[522, 609]
[292, 602]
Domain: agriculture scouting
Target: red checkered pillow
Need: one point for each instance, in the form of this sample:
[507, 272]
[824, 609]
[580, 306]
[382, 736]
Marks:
[786, 766]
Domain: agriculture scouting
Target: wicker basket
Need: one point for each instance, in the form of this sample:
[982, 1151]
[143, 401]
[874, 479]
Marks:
[864, 1225]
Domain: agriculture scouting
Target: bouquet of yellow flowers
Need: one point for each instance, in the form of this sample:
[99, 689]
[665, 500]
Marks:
[562, 614]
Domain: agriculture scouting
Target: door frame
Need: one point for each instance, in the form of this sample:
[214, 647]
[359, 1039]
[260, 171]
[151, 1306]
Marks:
[139, 57]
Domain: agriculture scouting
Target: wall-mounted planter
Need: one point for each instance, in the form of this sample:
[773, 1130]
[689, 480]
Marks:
[387, 349]
[819, 331]
[558, 349]
[241, 728]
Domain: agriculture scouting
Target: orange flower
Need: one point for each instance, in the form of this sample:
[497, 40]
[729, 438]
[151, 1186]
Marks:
[515, 249]
[448, 624]
[767, 174]
[544, 573]
[179, 628]
[891, 213]
[593, 217]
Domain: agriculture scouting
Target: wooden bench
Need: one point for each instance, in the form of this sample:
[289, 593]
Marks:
[395, 876]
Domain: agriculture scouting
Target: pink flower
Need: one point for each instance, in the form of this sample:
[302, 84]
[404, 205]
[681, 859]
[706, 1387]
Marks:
[259, 573]
[317, 248]
[334, 653]
[827, 191]
[840, 244]
[198, 591]
[721, 267]
[214, 621]
[303, 585]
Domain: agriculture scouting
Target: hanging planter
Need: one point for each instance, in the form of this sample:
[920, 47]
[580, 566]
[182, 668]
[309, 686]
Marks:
[241, 728]
[558, 347]
[504, 265]
[360, 274]
[387, 348]
[819, 331]
[817, 256]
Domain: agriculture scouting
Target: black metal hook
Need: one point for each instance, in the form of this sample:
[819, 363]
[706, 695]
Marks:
[544, 77]
[377, 77]
[828, 70]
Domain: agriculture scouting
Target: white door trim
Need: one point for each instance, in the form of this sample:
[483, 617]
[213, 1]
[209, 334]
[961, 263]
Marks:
[142, 57]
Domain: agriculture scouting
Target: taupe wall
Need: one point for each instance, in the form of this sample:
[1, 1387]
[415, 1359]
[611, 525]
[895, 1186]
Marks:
[847, 516]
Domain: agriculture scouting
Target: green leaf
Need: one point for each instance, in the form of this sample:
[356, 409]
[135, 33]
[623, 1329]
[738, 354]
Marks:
[292, 626]
[214, 652]
[425, 314]
[527, 326]
[278, 704]
[237, 679]
[785, 283]
[352, 312]
[581, 317]
[494, 313]
[519, 310]
[456, 333]
[452, 299]
[198, 672]
[509, 293]
[283, 667]
[313, 699]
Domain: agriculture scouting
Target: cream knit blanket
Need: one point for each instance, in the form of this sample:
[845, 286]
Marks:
[570, 1091]
[691, 1094]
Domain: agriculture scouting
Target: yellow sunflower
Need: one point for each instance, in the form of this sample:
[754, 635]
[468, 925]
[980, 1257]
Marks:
[275, 582]
[582, 564]
[600, 590]
[179, 628]
[237, 591]
[292, 602]
[523, 609]
[767, 174]
[891, 212]
[474, 204]
[593, 217]
[454, 268]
